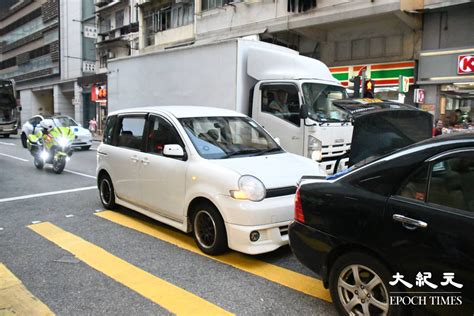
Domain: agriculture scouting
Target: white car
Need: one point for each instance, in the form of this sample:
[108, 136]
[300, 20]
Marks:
[211, 171]
[83, 138]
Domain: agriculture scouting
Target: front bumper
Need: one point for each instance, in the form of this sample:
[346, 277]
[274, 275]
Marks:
[8, 131]
[269, 217]
[82, 142]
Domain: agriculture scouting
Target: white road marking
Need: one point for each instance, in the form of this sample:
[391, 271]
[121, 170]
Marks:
[35, 222]
[97, 211]
[1, 228]
[70, 215]
[13, 157]
[9, 144]
[32, 196]
[80, 174]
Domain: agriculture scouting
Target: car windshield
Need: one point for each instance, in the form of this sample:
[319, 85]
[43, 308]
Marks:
[64, 121]
[319, 99]
[228, 137]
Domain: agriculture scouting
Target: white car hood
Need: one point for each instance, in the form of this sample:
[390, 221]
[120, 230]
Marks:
[275, 170]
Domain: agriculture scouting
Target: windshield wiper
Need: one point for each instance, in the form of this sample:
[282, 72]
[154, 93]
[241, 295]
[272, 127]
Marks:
[241, 152]
[264, 152]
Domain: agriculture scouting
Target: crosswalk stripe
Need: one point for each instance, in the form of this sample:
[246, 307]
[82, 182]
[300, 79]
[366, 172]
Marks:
[161, 292]
[285, 277]
[15, 299]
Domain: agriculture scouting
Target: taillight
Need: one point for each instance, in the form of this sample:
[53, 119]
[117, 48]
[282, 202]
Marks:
[299, 216]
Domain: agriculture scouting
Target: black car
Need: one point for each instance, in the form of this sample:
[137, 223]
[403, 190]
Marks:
[394, 234]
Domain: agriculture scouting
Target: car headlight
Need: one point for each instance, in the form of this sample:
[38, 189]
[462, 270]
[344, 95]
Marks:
[63, 141]
[250, 188]
[315, 148]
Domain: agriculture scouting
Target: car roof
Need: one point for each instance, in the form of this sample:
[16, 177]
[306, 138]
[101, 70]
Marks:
[181, 111]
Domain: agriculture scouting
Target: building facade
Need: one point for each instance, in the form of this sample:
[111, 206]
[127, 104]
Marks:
[44, 49]
[446, 64]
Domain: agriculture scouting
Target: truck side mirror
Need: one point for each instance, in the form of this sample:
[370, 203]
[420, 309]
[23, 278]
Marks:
[304, 111]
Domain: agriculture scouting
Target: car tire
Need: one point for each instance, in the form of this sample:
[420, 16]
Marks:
[356, 295]
[39, 164]
[106, 192]
[23, 140]
[85, 147]
[209, 230]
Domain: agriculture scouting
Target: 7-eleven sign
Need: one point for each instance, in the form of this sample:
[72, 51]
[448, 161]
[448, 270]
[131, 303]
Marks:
[403, 84]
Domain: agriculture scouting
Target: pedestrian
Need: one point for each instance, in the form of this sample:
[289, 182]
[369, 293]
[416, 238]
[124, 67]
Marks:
[92, 126]
[439, 128]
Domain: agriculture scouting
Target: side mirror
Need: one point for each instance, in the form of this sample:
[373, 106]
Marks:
[175, 151]
[277, 140]
[304, 111]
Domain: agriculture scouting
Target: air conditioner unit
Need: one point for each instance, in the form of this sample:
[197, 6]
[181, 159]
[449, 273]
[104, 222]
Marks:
[110, 55]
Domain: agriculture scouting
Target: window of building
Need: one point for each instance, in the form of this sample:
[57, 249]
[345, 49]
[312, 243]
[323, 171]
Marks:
[162, 19]
[119, 18]
[105, 25]
[212, 4]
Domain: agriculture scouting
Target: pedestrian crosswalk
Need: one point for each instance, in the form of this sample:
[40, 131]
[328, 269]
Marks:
[159, 289]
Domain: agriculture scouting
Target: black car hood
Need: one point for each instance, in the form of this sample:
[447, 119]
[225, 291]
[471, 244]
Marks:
[379, 133]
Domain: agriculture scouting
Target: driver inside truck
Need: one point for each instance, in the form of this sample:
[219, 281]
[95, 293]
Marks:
[280, 103]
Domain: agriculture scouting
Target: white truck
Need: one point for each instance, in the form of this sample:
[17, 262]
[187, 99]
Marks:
[267, 82]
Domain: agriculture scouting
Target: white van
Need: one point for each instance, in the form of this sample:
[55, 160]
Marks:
[213, 172]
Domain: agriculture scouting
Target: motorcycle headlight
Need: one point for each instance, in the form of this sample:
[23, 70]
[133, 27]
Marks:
[63, 141]
[250, 188]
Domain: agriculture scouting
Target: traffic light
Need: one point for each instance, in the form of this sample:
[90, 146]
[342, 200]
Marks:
[369, 89]
[356, 81]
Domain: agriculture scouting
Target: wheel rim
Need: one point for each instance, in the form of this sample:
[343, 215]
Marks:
[105, 191]
[362, 291]
[205, 229]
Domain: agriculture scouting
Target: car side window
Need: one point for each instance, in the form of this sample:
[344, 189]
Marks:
[160, 133]
[281, 101]
[451, 182]
[416, 185]
[109, 128]
[130, 134]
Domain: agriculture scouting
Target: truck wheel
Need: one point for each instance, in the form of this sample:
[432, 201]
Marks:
[59, 165]
[39, 164]
[107, 194]
[209, 230]
[23, 140]
[359, 285]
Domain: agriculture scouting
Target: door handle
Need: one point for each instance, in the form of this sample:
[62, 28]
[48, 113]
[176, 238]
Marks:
[134, 158]
[145, 161]
[409, 223]
[295, 137]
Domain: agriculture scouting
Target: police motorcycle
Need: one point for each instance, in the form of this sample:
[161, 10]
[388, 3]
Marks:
[52, 144]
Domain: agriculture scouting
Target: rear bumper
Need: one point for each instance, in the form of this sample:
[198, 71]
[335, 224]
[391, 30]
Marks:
[311, 247]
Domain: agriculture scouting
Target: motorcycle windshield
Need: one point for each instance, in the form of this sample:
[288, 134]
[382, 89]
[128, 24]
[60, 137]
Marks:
[379, 133]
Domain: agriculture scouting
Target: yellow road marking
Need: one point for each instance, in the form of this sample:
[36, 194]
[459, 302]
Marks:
[288, 278]
[15, 299]
[167, 295]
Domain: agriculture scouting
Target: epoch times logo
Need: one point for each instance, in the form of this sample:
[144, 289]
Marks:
[446, 293]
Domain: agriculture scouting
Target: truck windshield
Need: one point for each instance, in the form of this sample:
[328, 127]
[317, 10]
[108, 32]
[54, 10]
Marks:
[228, 137]
[319, 98]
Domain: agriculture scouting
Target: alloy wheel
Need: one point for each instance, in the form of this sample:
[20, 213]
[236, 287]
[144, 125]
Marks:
[205, 229]
[105, 191]
[362, 291]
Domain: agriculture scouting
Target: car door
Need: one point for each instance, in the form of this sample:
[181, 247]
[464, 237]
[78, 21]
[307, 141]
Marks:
[124, 158]
[162, 179]
[429, 229]
[279, 114]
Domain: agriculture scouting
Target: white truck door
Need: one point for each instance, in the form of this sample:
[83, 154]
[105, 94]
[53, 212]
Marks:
[276, 106]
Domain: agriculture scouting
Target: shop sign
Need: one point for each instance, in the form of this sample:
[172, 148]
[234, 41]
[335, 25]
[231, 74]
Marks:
[403, 84]
[419, 96]
[383, 75]
[465, 64]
